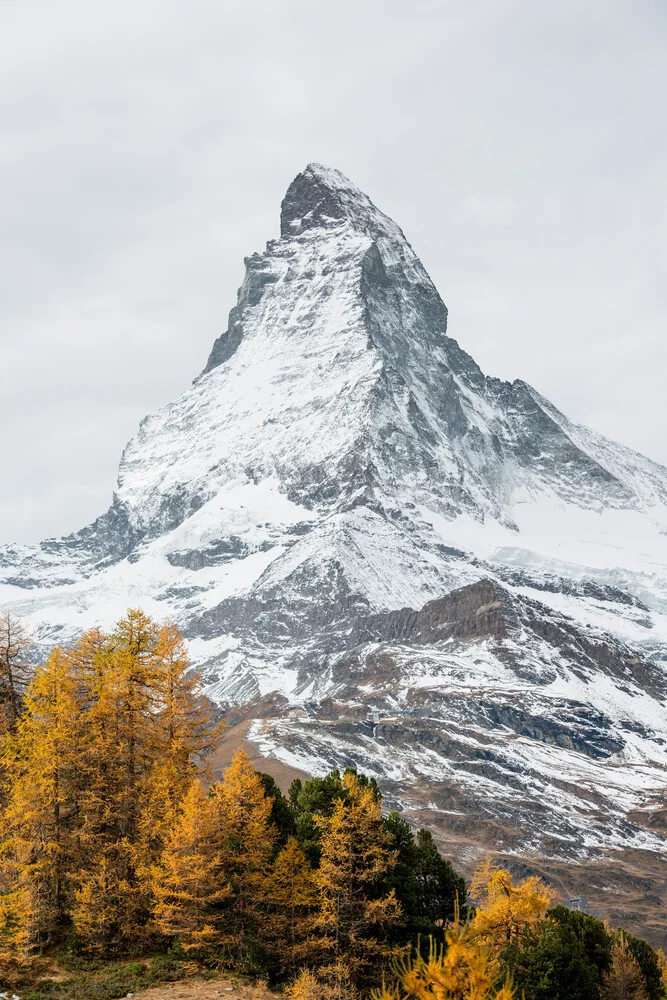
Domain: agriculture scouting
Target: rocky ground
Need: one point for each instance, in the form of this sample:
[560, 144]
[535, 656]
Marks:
[199, 989]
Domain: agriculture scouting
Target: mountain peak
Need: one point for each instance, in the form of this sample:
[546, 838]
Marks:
[322, 196]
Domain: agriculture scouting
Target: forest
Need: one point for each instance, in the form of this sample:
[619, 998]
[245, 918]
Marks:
[117, 841]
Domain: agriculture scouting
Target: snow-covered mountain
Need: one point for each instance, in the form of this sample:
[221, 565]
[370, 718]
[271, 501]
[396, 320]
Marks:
[341, 458]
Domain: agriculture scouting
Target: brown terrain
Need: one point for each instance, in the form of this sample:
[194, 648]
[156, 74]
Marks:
[200, 989]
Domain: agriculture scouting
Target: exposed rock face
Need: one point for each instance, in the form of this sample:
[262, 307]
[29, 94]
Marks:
[344, 509]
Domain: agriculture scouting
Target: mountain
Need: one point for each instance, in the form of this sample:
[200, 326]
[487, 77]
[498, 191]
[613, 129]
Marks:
[381, 555]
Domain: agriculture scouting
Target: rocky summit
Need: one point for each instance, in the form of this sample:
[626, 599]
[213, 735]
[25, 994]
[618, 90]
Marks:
[381, 556]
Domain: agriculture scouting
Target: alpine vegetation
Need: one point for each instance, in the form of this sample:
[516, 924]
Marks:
[118, 840]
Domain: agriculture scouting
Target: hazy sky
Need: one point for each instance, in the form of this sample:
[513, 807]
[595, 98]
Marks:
[145, 147]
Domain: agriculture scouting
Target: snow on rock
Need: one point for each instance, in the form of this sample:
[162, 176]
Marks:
[341, 458]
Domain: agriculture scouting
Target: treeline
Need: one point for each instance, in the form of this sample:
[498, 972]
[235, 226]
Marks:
[114, 839]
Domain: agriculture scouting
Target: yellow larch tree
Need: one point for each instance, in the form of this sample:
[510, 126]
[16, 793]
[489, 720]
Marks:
[464, 969]
[469, 966]
[291, 898]
[185, 734]
[505, 911]
[43, 756]
[354, 912]
[623, 980]
[149, 731]
[111, 902]
[662, 965]
[245, 839]
[188, 881]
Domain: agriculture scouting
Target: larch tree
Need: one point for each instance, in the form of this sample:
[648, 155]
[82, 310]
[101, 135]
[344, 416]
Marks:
[464, 969]
[354, 912]
[149, 731]
[291, 899]
[185, 733]
[245, 839]
[43, 756]
[111, 903]
[505, 911]
[15, 669]
[188, 881]
[623, 980]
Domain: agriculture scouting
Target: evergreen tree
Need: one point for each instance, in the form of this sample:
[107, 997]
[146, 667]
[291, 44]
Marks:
[316, 797]
[589, 931]
[552, 964]
[648, 961]
[426, 885]
[282, 812]
[439, 886]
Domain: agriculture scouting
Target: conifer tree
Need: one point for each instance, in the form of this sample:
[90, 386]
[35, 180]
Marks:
[188, 882]
[464, 969]
[245, 840]
[624, 979]
[355, 913]
[148, 733]
[15, 669]
[662, 966]
[291, 898]
[43, 756]
[185, 733]
[112, 901]
[505, 911]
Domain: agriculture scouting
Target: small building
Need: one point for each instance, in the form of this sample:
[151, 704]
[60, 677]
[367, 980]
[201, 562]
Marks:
[577, 903]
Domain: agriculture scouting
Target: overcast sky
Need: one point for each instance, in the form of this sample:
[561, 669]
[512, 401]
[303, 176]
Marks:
[145, 146]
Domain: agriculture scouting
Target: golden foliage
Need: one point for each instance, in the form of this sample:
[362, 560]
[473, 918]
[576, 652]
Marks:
[244, 842]
[469, 967]
[506, 911]
[333, 984]
[464, 969]
[624, 979]
[43, 755]
[291, 897]
[662, 964]
[354, 912]
[188, 883]
[111, 734]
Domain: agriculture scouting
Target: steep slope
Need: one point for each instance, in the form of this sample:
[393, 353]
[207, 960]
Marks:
[341, 458]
